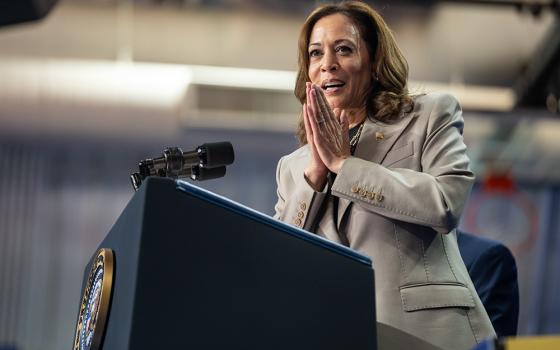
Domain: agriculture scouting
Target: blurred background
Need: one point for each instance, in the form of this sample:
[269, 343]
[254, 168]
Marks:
[98, 85]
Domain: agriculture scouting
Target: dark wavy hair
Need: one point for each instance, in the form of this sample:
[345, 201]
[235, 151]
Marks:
[388, 93]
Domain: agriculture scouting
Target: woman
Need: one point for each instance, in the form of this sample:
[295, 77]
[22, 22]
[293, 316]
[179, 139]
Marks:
[384, 173]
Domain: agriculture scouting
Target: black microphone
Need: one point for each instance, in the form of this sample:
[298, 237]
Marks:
[216, 154]
[200, 174]
[206, 162]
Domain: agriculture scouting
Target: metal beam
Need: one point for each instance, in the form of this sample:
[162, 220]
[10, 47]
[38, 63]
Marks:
[541, 80]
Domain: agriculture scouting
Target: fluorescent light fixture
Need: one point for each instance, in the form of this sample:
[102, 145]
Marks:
[474, 97]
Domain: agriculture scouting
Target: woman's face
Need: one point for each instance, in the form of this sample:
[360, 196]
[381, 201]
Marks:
[339, 61]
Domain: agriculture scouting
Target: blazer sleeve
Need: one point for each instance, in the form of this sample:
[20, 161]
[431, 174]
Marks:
[434, 196]
[297, 204]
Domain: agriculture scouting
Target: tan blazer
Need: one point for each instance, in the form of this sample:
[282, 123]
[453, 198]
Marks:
[400, 199]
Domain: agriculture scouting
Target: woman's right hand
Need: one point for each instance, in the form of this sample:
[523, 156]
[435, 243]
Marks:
[316, 171]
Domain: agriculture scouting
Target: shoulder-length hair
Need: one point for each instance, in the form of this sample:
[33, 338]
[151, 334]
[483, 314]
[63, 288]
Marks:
[388, 93]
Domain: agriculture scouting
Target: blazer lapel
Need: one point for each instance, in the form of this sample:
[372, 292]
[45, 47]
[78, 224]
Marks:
[376, 141]
[378, 138]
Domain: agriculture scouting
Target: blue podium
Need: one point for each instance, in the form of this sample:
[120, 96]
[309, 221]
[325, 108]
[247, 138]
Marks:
[193, 270]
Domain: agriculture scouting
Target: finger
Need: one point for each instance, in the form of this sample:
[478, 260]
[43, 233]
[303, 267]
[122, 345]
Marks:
[340, 138]
[339, 132]
[312, 128]
[325, 142]
[311, 137]
[326, 130]
[330, 119]
[309, 108]
[338, 115]
[308, 131]
[311, 119]
[317, 115]
[317, 128]
[324, 103]
[320, 114]
[345, 124]
[337, 112]
[340, 135]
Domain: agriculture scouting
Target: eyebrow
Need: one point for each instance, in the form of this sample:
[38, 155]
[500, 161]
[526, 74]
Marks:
[336, 42]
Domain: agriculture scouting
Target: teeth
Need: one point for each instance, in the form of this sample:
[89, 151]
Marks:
[333, 85]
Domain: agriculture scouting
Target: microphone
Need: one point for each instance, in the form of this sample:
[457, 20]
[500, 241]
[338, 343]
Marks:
[206, 162]
[201, 174]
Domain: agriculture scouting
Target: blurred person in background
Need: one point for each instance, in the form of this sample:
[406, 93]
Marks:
[384, 173]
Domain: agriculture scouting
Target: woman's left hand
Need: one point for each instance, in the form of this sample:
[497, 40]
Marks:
[330, 130]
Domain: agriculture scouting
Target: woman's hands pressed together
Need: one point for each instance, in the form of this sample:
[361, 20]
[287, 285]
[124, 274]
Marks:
[327, 136]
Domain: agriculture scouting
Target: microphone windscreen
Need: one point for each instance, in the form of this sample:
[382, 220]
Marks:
[201, 174]
[218, 153]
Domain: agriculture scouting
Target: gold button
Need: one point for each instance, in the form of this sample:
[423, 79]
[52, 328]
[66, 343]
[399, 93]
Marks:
[379, 136]
[363, 193]
[297, 222]
[355, 189]
[302, 206]
[300, 214]
[380, 197]
[371, 195]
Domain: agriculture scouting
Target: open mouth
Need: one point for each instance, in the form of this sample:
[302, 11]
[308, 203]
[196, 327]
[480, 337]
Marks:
[331, 85]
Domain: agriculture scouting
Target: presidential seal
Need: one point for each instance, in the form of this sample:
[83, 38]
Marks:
[94, 307]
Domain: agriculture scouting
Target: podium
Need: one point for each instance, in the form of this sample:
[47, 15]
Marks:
[193, 270]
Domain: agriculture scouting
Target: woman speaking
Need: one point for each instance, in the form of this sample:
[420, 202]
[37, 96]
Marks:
[382, 172]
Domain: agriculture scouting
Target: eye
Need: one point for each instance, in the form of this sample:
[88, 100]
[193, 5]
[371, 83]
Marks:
[314, 53]
[343, 49]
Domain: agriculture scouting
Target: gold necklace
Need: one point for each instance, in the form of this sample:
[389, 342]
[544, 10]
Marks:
[356, 137]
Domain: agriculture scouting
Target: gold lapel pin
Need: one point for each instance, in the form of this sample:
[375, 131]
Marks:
[379, 136]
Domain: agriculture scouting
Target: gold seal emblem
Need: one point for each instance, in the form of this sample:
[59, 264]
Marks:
[95, 302]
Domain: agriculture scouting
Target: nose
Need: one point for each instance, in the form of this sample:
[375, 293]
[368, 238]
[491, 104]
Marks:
[329, 62]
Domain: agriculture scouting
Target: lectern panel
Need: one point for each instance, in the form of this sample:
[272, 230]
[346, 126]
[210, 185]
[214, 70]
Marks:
[196, 271]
